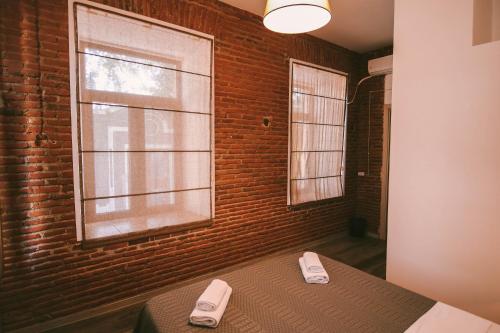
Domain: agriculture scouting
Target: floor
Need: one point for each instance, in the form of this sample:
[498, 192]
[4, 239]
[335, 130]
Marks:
[366, 254]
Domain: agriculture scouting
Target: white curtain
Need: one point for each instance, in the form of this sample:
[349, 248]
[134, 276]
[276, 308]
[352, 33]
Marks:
[145, 124]
[317, 135]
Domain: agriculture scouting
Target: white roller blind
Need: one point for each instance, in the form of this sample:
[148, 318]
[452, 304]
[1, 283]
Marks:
[144, 123]
[317, 136]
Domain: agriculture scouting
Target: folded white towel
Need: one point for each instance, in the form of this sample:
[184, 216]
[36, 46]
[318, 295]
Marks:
[212, 296]
[446, 318]
[321, 278]
[313, 265]
[210, 318]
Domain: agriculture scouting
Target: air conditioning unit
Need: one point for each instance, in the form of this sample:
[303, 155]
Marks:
[380, 66]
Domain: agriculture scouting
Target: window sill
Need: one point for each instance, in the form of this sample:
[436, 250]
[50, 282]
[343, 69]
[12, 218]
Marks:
[143, 235]
[313, 204]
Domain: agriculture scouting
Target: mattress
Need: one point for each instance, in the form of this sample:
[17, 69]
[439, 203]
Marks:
[271, 296]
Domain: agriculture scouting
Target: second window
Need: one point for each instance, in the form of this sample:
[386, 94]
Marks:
[317, 133]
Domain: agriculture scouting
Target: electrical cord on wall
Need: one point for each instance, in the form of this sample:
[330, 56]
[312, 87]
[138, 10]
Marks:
[359, 83]
[369, 113]
[41, 135]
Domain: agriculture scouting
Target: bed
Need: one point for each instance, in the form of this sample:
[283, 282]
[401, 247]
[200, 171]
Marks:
[271, 296]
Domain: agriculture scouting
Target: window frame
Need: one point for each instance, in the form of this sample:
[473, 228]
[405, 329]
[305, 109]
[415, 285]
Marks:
[293, 61]
[75, 126]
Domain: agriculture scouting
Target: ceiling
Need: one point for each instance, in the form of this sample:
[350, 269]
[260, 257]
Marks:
[358, 25]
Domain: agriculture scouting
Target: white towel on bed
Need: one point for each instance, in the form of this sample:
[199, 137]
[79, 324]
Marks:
[443, 318]
[212, 296]
[210, 318]
[312, 262]
[321, 278]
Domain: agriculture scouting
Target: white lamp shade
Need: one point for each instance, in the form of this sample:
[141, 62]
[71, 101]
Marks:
[296, 16]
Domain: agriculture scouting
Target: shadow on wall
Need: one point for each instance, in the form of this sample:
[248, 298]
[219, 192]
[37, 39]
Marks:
[486, 21]
[370, 146]
[36, 200]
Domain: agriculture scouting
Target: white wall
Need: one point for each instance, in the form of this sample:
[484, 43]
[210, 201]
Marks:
[444, 187]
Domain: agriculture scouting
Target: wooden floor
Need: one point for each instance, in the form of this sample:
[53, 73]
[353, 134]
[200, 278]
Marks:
[366, 254]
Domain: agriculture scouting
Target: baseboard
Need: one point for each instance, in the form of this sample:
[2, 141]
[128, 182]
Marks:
[372, 235]
[138, 299]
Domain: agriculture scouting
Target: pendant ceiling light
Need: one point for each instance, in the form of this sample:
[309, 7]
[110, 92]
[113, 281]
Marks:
[296, 16]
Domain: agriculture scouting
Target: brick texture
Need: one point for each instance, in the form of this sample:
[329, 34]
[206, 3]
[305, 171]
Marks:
[369, 148]
[46, 273]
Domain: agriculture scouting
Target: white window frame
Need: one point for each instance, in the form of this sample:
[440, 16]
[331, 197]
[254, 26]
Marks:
[290, 106]
[73, 66]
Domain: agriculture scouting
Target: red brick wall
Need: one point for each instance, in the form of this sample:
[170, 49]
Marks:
[369, 133]
[46, 273]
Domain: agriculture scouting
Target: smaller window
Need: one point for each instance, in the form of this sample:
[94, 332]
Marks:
[317, 133]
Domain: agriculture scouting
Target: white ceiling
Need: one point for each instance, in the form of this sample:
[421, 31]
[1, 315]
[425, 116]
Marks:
[358, 25]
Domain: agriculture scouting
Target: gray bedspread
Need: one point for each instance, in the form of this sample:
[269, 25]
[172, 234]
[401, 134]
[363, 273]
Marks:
[271, 296]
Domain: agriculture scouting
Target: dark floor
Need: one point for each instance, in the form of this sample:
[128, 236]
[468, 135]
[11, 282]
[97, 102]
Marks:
[366, 254]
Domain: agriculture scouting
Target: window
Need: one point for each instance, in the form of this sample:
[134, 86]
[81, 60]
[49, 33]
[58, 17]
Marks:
[317, 133]
[142, 123]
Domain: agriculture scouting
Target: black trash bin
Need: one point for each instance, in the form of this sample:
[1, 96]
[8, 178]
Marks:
[357, 227]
